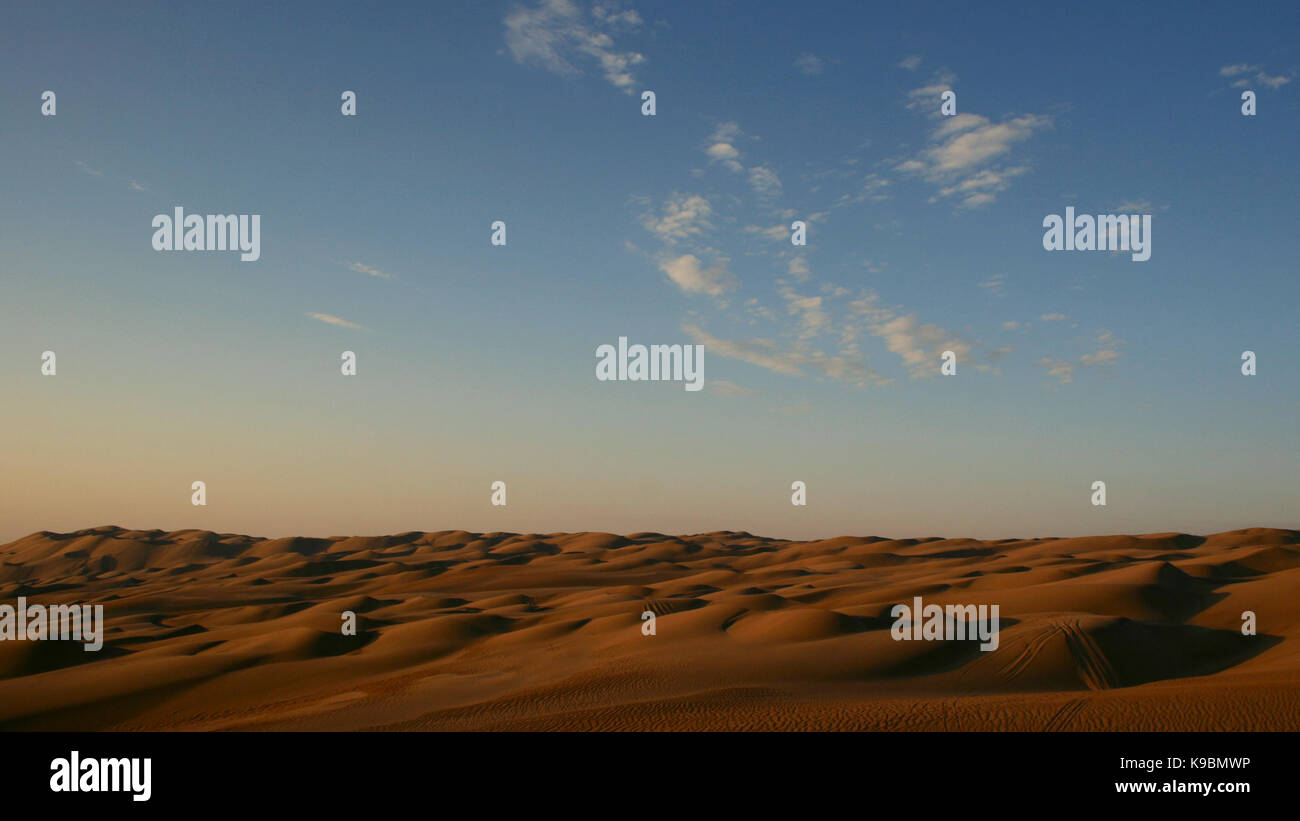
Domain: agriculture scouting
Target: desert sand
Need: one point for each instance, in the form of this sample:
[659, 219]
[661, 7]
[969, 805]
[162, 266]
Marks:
[503, 631]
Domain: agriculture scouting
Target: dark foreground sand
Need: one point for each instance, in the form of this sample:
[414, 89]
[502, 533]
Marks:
[459, 630]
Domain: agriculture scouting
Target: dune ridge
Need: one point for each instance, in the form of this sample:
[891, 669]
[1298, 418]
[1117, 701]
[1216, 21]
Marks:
[467, 631]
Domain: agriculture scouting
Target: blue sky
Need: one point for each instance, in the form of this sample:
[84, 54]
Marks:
[476, 363]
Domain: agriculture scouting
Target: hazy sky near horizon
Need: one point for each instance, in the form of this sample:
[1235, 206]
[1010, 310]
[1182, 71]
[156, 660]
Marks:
[477, 363]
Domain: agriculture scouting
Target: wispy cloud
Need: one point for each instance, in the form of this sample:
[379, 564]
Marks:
[765, 353]
[929, 95]
[1062, 370]
[776, 233]
[967, 141]
[721, 150]
[994, 284]
[334, 320]
[362, 268]
[964, 150]
[1107, 353]
[764, 180]
[1240, 70]
[88, 170]
[683, 216]
[919, 345]
[557, 35]
[812, 317]
[1274, 81]
[724, 388]
[810, 64]
[691, 275]
[874, 188]
[784, 359]
[910, 63]
[1234, 70]
[1132, 207]
[818, 328]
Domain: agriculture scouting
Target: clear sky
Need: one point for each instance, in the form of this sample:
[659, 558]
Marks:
[477, 363]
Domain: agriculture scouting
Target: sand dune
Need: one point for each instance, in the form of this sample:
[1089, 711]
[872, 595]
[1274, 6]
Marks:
[459, 630]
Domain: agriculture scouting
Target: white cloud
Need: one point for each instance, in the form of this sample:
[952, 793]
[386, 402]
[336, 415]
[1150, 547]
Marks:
[724, 388]
[761, 352]
[926, 96]
[725, 153]
[334, 320]
[612, 16]
[1053, 317]
[1275, 81]
[980, 188]
[684, 216]
[721, 149]
[813, 319]
[361, 268]
[995, 283]
[727, 131]
[767, 353]
[1107, 353]
[910, 63]
[757, 312]
[1234, 70]
[692, 277]
[962, 150]
[555, 35]
[810, 64]
[764, 180]
[776, 233]
[929, 95]
[873, 188]
[965, 146]
[722, 146]
[1132, 207]
[1062, 370]
[919, 345]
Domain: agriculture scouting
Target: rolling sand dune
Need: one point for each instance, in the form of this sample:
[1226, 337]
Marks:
[460, 630]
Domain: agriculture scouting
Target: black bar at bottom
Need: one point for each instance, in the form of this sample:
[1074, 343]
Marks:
[441, 773]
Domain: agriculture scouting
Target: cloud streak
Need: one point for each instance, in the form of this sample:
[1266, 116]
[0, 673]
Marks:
[361, 268]
[556, 35]
[1106, 354]
[964, 151]
[329, 319]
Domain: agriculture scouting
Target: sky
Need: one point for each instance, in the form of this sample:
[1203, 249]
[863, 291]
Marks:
[476, 363]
